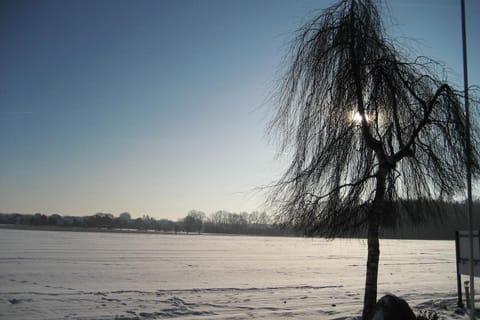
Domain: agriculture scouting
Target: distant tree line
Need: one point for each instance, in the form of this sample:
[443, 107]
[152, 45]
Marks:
[423, 219]
[441, 222]
[254, 223]
[231, 223]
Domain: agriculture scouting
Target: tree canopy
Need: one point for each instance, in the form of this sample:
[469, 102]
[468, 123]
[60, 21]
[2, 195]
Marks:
[351, 103]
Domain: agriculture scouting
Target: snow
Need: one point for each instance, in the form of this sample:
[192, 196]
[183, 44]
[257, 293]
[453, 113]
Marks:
[80, 275]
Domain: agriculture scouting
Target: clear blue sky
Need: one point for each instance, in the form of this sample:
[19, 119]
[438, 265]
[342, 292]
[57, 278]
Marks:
[159, 107]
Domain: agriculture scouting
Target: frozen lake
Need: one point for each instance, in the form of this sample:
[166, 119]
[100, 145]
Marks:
[77, 275]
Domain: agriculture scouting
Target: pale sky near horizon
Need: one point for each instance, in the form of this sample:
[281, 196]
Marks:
[159, 107]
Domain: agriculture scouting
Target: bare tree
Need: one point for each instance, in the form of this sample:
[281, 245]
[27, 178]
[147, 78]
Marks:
[365, 126]
[194, 221]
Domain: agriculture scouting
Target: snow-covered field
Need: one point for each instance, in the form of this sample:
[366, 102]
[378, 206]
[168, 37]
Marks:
[76, 275]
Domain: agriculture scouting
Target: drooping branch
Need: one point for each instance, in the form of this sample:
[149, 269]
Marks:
[406, 149]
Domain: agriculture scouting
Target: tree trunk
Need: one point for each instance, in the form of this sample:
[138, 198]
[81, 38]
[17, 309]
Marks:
[370, 296]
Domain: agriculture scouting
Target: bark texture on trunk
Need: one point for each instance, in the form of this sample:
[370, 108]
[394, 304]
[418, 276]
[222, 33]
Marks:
[373, 256]
[370, 297]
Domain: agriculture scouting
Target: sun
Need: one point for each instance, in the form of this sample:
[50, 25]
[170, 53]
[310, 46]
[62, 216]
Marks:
[357, 118]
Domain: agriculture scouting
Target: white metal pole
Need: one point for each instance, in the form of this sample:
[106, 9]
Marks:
[468, 150]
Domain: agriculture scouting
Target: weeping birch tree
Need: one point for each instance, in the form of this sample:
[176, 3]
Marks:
[365, 126]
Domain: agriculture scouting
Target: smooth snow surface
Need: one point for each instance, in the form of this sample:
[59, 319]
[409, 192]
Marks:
[76, 275]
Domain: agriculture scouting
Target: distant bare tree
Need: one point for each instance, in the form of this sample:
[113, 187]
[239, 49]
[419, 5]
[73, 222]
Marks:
[124, 219]
[364, 126]
[125, 216]
[194, 221]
